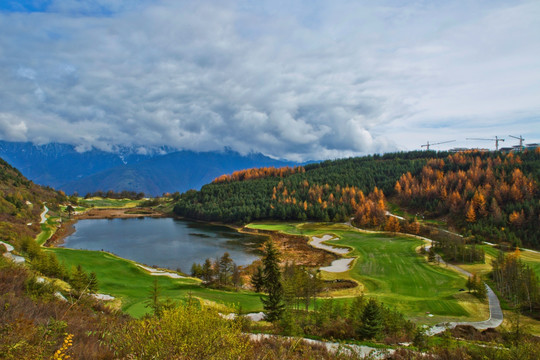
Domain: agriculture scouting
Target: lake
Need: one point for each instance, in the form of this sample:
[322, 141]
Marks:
[165, 242]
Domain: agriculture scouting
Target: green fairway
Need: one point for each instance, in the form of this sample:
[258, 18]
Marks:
[390, 269]
[123, 279]
[108, 203]
[48, 228]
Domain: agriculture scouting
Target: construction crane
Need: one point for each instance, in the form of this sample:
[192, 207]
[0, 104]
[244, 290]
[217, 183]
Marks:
[496, 141]
[439, 143]
[521, 139]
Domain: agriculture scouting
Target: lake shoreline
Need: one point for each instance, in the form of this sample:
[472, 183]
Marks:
[68, 228]
[294, 249]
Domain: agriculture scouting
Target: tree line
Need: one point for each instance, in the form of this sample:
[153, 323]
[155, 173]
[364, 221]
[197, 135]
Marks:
[221, 273]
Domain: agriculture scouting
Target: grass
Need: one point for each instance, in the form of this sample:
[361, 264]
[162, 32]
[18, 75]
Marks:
[48, 228]
[108, 203]
[530, 258]
[389, 268]
[123, 279]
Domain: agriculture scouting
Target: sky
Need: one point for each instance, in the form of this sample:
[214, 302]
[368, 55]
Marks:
[297, 80]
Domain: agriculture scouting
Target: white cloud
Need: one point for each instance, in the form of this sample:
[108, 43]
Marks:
[12, 128]
[301, 80]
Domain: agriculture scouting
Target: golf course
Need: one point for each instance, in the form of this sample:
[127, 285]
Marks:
[389, 268]
[385, 266]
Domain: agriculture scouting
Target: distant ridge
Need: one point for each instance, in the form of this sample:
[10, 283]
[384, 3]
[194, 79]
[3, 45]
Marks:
[63, 167]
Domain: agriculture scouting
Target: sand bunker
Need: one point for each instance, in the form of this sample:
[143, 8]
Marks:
[317, 242]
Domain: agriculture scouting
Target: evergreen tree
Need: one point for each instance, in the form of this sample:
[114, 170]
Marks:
[79, 280]
[92, 283]
[225, 269]
[371, 320]
[273, 305]
[196, 270]
[154, 302]
[257, 280]
[207, 271]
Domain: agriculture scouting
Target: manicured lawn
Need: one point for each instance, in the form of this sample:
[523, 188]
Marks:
[108, 203]
[390, 269]
[123, 279]
[48, 228]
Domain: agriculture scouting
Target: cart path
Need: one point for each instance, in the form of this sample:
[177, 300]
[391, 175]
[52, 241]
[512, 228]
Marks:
[43, 217]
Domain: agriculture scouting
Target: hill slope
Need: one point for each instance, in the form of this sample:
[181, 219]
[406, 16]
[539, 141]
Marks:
[21, 202]
[502, 189]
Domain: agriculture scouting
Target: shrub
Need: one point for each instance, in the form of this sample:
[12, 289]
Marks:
[185, 332]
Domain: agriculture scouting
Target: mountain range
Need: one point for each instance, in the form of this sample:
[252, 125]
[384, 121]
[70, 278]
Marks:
[65, 168]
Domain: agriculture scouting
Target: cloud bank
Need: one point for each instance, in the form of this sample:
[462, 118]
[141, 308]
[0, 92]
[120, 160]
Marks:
[300, 80]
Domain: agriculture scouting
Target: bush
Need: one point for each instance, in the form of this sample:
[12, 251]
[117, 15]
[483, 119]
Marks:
[185, 332]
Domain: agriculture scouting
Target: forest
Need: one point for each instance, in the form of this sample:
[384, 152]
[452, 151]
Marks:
[490, 196]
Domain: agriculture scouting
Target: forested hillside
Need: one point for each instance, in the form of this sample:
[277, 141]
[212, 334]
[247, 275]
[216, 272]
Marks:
[326, 191]
[21, 202]
[493, 195]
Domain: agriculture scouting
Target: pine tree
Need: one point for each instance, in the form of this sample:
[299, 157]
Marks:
[225, 269]
[273, 304]
[207, 271]
[371, 320]
[92, 283]
[79, 280]
[154, 302]
[257, 280]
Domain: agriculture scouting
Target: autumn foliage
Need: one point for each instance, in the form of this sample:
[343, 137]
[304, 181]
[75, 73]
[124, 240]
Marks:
[489, 192]
[259, 173]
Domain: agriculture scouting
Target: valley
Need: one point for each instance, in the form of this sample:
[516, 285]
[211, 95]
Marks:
[140, 250]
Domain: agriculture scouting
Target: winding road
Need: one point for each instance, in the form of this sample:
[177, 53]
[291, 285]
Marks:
[43, 217]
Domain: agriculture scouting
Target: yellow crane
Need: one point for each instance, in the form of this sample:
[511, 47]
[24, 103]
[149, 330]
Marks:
[439, 143]
[497, 139]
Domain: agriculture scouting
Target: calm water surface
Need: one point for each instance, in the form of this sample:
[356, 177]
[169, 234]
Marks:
[165, 242]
